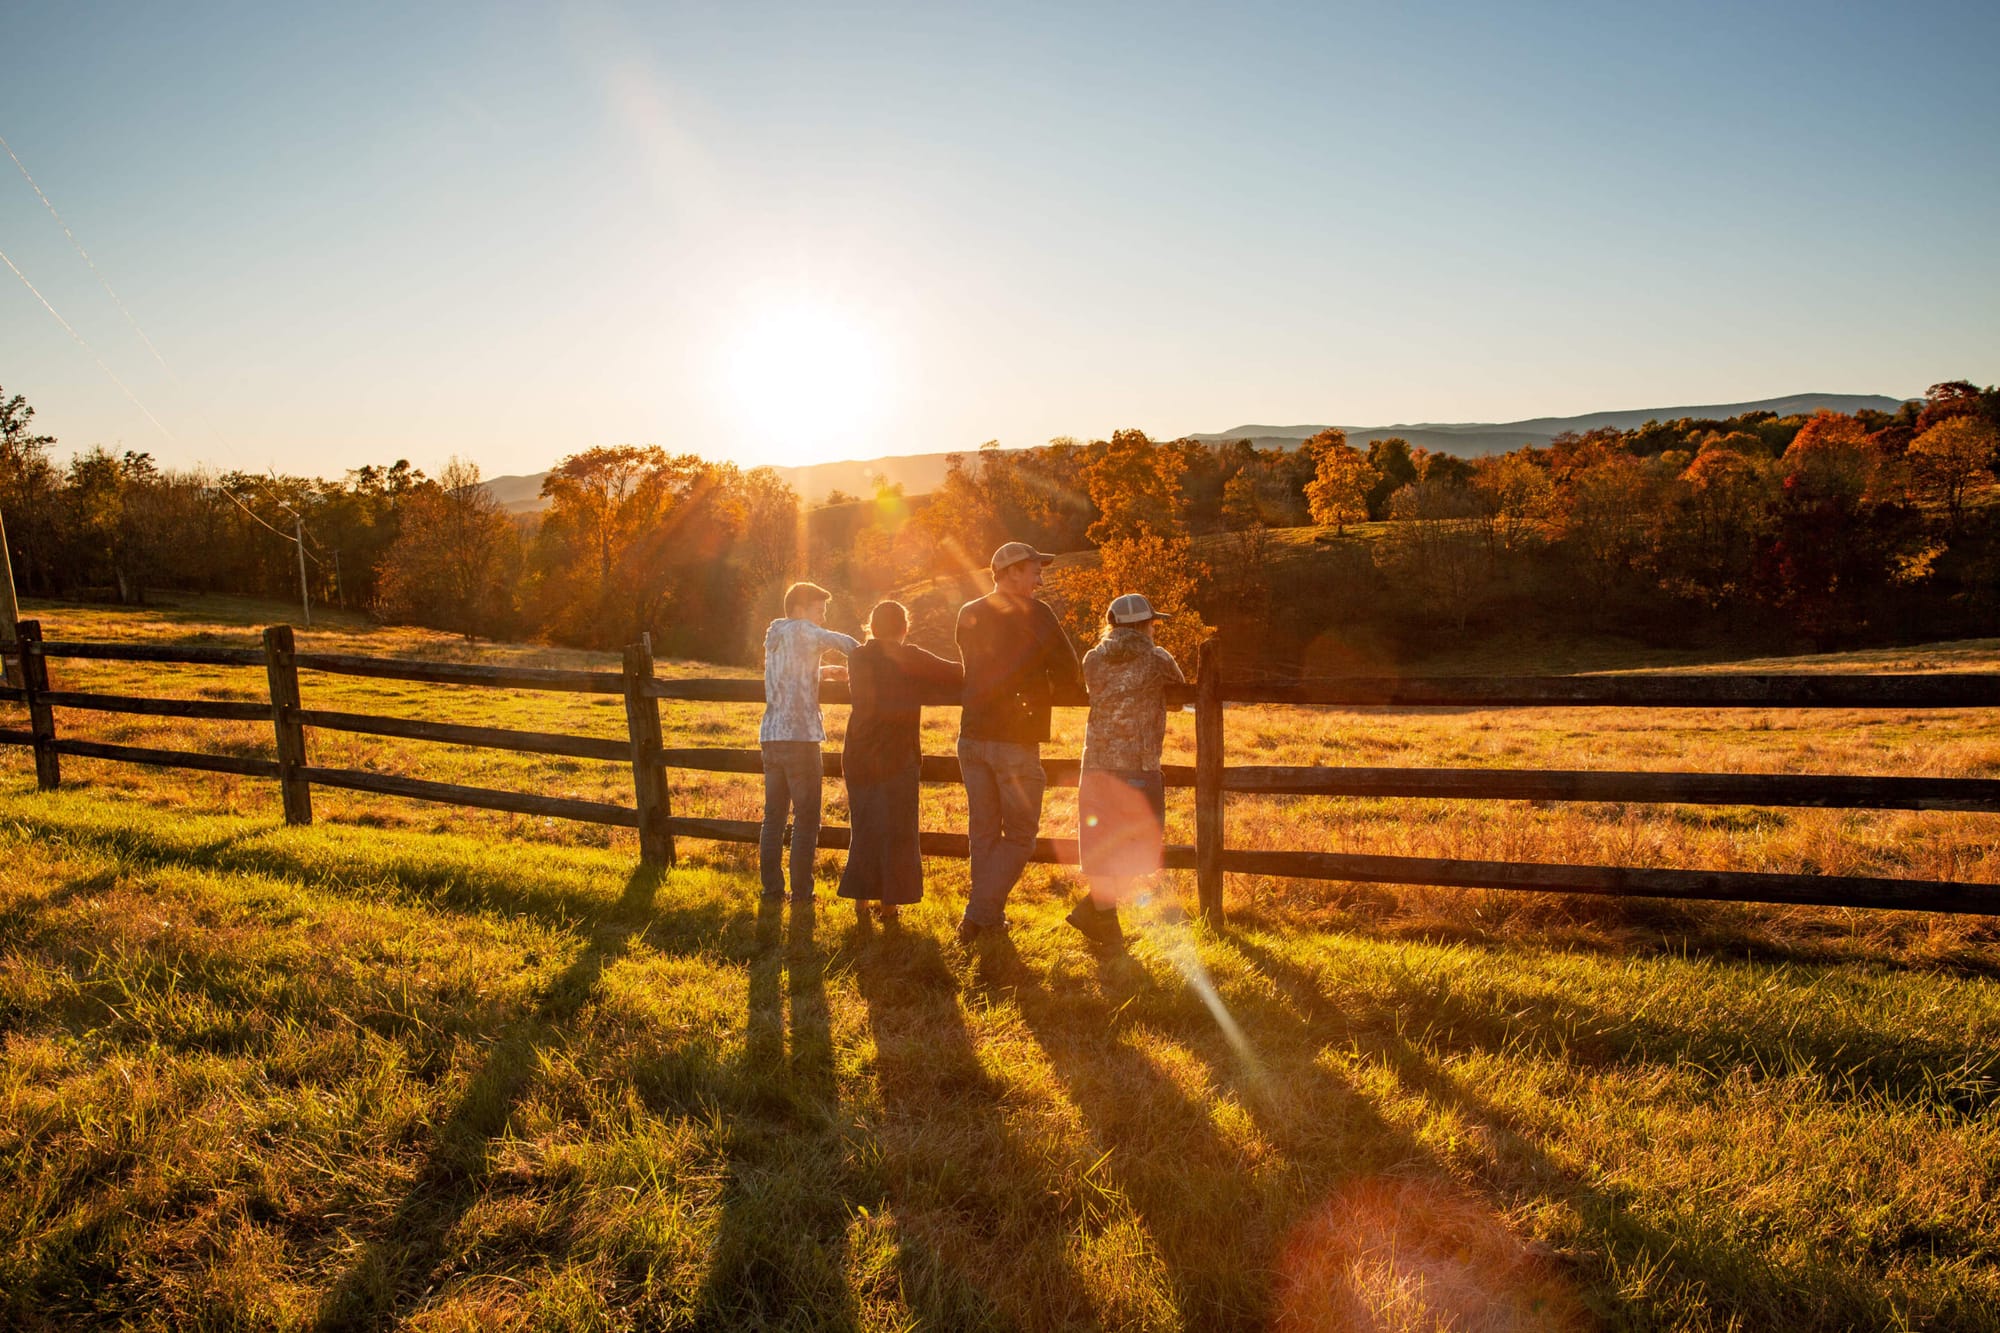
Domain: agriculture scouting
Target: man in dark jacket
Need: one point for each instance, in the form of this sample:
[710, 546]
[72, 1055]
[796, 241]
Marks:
[1017, 661]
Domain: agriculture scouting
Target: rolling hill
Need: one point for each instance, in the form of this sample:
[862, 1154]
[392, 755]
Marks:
[918, 473]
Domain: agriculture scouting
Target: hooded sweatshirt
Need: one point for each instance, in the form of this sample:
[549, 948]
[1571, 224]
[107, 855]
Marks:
[1127, 675]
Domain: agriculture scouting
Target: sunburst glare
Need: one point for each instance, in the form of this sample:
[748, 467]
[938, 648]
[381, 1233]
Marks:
[804, 380]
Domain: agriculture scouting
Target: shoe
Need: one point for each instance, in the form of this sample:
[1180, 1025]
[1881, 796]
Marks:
[1099, 927]
[968, 931]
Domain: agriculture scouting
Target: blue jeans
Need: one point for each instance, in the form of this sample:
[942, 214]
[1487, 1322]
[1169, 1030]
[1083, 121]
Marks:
[791, 784]
[1003, 798]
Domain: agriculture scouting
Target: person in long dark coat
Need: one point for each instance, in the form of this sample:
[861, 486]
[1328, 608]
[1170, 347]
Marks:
[887, 679]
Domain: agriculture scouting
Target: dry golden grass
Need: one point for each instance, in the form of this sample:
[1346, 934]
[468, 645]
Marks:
[453, 1069]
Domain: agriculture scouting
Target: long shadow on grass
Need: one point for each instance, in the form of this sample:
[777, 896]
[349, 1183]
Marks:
[1711, 1269]
[1164, 1151]
[1668, 928]
[418, 873]
[1961, 1077]
[396, 1267]
[972, 1209]
[780, 1250]
[17, 916]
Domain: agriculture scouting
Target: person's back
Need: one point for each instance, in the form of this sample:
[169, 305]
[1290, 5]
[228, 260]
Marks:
[1121, 794]
[1011, 647]
[1127, 675]
[1017, 660]
[790, 734]
[888, 683]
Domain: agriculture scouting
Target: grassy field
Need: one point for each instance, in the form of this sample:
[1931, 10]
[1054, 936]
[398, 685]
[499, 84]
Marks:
[452, 1069]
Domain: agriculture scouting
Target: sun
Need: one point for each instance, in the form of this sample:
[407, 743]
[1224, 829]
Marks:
[804, 382]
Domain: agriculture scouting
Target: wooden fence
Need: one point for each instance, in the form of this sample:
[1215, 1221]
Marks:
[1212, 780]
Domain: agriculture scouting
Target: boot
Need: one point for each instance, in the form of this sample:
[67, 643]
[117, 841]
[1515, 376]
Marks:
[1098, 926]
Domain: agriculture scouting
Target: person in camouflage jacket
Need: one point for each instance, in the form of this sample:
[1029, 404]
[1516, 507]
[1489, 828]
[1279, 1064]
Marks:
[1121, 797]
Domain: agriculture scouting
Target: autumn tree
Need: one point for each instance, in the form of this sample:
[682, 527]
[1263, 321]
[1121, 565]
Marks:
[1953, 398]
[29, 484]
[1605, 511]
[1342, 479]
[602, 496]
[1720, 518]
[455, 558]
[1840, 527]
[1142, 543]
[772, 548]
[1516, 498]
[1434, 551]
[1135, 487]
[1163, 568]
[1394, 469]
[1952, 457]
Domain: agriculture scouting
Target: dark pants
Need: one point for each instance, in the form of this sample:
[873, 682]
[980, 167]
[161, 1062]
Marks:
[791, 784]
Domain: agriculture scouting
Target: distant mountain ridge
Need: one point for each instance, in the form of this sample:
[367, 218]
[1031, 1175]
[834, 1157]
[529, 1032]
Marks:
[919, 473]
[1470, 439]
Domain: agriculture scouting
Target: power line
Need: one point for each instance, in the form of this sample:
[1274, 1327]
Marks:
[237, 501]
[102, 281]
[80, 342]
[116, 300]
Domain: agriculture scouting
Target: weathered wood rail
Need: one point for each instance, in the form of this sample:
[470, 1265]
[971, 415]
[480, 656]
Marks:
[1210, 777]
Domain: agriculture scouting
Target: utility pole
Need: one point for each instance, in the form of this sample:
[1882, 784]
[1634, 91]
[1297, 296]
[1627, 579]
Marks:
[299, 537]
[10, 612]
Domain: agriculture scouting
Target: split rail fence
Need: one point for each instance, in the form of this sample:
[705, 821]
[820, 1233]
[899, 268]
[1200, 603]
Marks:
[651, 761]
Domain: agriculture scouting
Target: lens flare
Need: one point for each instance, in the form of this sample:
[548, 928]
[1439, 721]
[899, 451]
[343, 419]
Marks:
[1416, 1254]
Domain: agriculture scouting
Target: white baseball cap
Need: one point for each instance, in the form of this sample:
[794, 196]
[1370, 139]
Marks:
[1133, 609]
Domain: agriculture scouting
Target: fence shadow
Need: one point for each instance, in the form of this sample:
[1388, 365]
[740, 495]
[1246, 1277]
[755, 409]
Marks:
[395, 1266]
[1739, 1277]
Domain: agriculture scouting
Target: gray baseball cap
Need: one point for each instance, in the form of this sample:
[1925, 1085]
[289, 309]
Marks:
[1013, 553]
[1133, 609]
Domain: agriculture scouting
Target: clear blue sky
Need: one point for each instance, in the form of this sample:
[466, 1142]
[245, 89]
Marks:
[356, 233]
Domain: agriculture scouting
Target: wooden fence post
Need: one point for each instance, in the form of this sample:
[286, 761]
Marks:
[41, 717]
[282, 668]
[1208, 782]
[649, 780]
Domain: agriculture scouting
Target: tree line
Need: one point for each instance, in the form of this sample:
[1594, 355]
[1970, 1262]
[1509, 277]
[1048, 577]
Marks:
[1828, 527]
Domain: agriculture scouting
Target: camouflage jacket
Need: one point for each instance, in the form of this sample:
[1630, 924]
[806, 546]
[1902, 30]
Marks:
[1127, 675]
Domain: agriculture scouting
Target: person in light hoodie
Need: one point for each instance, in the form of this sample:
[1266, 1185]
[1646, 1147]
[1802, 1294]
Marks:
[791, 733]
[1121, 793]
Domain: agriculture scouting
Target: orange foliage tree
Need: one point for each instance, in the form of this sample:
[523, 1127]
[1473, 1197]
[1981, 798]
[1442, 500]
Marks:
[1143, 546]
[1342, 478]
[1951, 458]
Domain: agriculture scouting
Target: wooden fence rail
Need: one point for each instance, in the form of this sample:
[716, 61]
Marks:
[651, 762]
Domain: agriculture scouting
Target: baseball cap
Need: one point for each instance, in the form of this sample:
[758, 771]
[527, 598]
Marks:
[1013, 553]
[1134, 609]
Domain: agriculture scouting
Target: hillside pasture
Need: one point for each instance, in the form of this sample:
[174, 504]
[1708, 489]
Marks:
[464, 1069]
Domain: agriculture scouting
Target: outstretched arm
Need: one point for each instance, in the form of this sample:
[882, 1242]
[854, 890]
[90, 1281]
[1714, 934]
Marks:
[824, 639]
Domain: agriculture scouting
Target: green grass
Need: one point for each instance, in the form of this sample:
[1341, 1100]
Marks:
[450, 1069]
